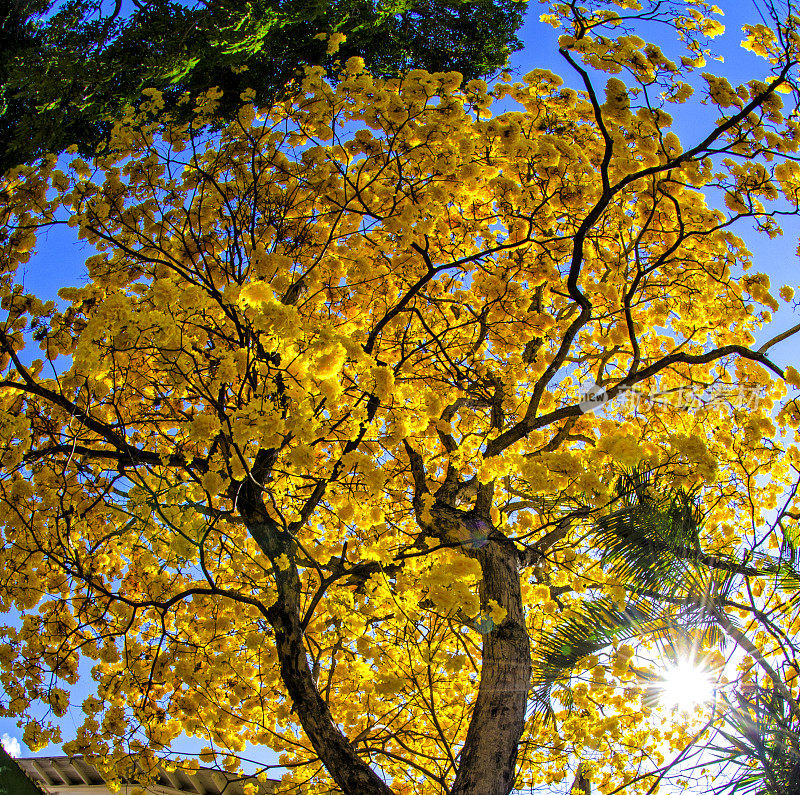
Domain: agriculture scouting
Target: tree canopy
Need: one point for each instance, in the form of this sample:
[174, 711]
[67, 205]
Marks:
[68, 69]
[308, 462]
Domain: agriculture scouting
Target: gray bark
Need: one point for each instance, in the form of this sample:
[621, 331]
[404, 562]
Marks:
[350, 772]
[488, 759]
[346, 767]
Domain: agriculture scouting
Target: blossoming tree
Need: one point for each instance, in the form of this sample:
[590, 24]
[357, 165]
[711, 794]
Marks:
[306, 463]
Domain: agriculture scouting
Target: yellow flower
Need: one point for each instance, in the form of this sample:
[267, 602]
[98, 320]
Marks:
[330, 362]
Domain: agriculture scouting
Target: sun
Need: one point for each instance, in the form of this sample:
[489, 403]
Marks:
[685, 685]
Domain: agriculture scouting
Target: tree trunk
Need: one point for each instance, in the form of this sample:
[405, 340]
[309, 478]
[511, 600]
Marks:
[488, 759]
[346, 767]
[581, 785]
[350, 772]
[487, 762]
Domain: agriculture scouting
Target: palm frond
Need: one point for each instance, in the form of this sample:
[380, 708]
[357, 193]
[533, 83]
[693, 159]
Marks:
[787, 576]
[594, 627]
[650, 544]
[790, 546]
[654, 536]
[761, 748]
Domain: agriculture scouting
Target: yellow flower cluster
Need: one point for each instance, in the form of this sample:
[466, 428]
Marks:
[334, 366]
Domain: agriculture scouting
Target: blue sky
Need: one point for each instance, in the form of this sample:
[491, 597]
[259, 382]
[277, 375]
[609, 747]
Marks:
[778, 257]
[59, 260]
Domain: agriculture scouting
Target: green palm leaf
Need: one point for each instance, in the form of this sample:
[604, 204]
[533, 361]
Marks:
[594, 627]
[654, 535]
[651, 544]
[761, 748]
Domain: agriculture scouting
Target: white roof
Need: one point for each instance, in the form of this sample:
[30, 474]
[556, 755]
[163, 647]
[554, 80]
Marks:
[65, 775]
